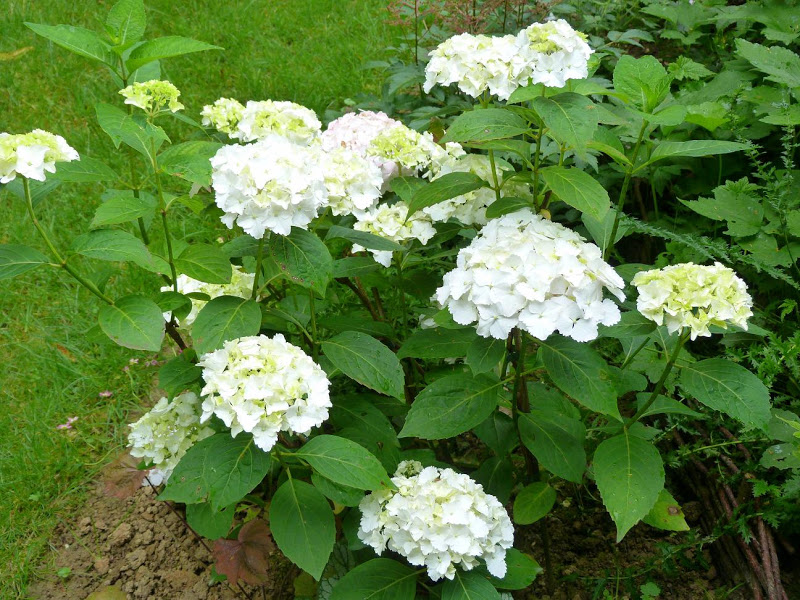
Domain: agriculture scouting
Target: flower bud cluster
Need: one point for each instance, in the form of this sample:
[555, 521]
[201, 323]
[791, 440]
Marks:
[550, 53]
[224, 115]
[694, 297]
[264, 386]
[241, 285]
[392, 222]
[32, 154]
[153, 96]
[164, 434]
[524, 271]
[437, 518]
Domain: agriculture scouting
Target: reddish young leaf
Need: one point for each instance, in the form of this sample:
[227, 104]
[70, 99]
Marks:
[122, 477]
[246, 557]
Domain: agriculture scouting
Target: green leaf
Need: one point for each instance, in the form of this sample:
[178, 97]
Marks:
[571, 119]
[344, 462]
[629, 474]
[533, 502]
[484, 354]
[664, 405]
[735, 203]
[219, 469]
[78, 40]
[339, 494]
[205, 263]
[303, 526]
[358, 419]
[632, 324]
[113, 245]
[506, 205]
[578, 189]
[16, 259]
[498, 432]
[177, 374]
[209, 522]
[644, 81]
[354, 266]
[190, 161]
[486, 124]
[363, 238]
[126, 21]
[692, 148]
[165, 47]
[123, 208]
[451, 405]
[556, 440]
[437, 343]
[405, 187]
[666, 514]
[133, 130]
[521, 571]
[496, 475]
[85, 170]
[367, 361]
[377, 579]
[133, 322]
[730, 388]
[781, 64]
[444, 188]
[222, 319]
[304, 259]
[580, 372]
[469, 585]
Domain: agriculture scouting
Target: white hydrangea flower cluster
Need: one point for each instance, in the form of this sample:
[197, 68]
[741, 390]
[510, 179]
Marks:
[354, 183]
[554, 53]
[356, 131]
[550, 53]
[470, 208]
[524, 271]
[403, 151]
[390, 221]
[693, 296]
[264, 386]
[437, 518]
[273, 184]
[153, 96]
[241, 285]
[164, 434]
[224, 115]
[261, 119]
[32, 154]
[477, 63]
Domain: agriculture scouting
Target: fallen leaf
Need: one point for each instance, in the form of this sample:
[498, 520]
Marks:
[67, 354]
[122, 477]
[246, 557]
[14, 55]
[111, 592]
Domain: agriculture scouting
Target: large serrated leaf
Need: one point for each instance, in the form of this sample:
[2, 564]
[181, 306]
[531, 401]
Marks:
[578, 189]
[222, 319]
[78, 40]
[219, 469]
[377, 579]
[344, 462]
[304, 259]
[134, 322]
[16, 259]
[367, 361]
[165, 47]
[303, 525]
[629, 474]
[482, 125]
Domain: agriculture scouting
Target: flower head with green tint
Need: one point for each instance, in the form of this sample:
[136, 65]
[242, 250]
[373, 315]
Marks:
[694, 297]
[224, 115]
[153, 96]
[267, 118]
[409, 152]
[32, 154]
[554, 53]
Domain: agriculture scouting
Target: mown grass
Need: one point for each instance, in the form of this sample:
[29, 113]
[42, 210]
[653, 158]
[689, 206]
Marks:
[53, 367]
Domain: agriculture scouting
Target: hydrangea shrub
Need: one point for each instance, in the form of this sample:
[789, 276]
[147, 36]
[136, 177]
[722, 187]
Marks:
[383, 298]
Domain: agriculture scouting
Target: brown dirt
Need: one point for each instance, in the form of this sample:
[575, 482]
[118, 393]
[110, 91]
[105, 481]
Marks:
[136, 545]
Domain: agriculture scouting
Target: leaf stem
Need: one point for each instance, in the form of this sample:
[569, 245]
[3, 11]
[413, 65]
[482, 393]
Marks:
[259, 259]
[61, 262]
[312, 310]
[494, 176]
[624, 191]
[163, 209]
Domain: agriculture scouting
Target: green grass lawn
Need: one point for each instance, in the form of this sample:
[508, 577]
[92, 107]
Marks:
[309, 51]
